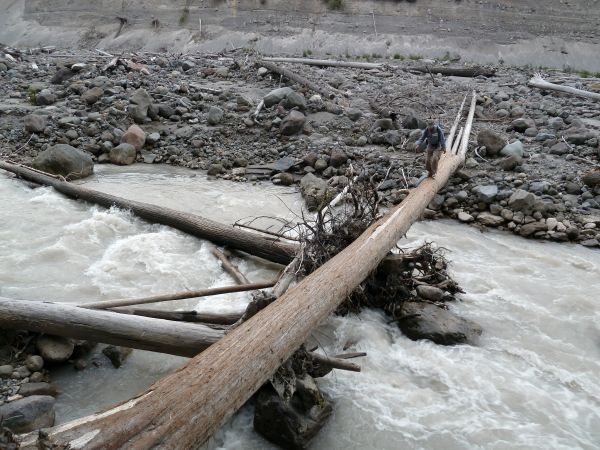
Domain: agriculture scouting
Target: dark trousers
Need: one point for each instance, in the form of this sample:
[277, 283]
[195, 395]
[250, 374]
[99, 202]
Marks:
[432, 159]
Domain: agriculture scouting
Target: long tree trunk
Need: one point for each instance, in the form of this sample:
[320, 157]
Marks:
[327, 63]
[255, 244]
[144, 333]
[293, 76]
[538, 82]
[456, 71]
[185, 408]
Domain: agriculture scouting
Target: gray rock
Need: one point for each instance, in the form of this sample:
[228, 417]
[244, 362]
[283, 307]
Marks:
[489, 219]
[531, 228]
[165, 111]
[465, 217]
[276, 95]
[556, 123]
[293, 423]
[295, 100]
[514, 148]
[283, 178]
[284, 164]
[390, 137]
[590, 243]
[314, 190]
[91, 96]
[591, 179]
[55, 349]
[215, 115]
[427, 321]
[34, 363]
[28, 414]
[486, 194]
[215, 169]
[141, 102]
[39, 388]
[116, 355]
[123, 154]
[35, 123]
[559, 148]
[521, 200]
[432, 293]
[492, 141]
[293, 123]
[337, 158]
[511, 162]
[522, 124]
[578, 136]
[320, 165]
[66, 161]
[45, 97]
[153, 138]
[353, 114]
[6, 371]
[384, 124]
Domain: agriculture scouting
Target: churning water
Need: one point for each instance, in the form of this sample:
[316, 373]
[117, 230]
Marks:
[531, 383]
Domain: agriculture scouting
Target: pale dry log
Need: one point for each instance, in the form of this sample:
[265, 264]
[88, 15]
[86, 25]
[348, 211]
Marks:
[105, 304]
[293, 76]
[456, 71]
[334, 363]
[228, 266]
[184, 409]
[143, 333]
[279, 252]
[327, 63]
[538, 82]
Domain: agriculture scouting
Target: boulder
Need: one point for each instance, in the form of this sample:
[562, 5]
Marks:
[55, 349]
[432, 293]
[91, 96]
[353, 114]
[532, 228]
[141, 102]
[215, 115]
[45, 97]
[337, 158]
[215, 169]
[64, 160]
[276, 95]
[592, 178]
[521, 200]
[116, 355]
[489, 219]
[293, 423]
[295, 100]
[390, 137]
[314, 190]
[283, 178]
[123, 154]
[134, 136]
[34, 363]
[427, 321]
[486, 194]
[511, 162]
[492, 142]
[40, 388]
[514, 148]
[35, 123]
[522, 124]
[293, 123]
[28, 414]
[578, 136]
[465, 217]
[560, 148]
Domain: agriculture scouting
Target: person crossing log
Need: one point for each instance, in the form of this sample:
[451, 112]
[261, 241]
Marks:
[252, 243]
[184, 409]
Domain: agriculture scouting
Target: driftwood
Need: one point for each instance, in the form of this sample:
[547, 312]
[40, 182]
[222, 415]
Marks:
[279, 252]
[184, 316]
[327, 63]
[334, 362]
[293, 76]
[184, 409]
[143, 333]
[538, 82]
[105, 304]
[456, 71]
[228, 266]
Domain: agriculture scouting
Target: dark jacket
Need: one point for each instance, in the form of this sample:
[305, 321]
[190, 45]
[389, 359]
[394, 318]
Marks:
[425, 137]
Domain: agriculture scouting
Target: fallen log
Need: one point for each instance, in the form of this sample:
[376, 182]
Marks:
[228, 266]
[254, 244]
[327, 63]
[105, 304]
[293, 76]
[334, 362]
[143, 333]
[185, 408]
[184, 316]
[538, 82]
[456, 71]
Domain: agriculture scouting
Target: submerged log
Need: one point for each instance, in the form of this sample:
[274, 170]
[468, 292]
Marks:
[456, 71]
[279, 252]
[143, 333]
[185, 408]
[229, 267]
[293, 76]
[538, 82]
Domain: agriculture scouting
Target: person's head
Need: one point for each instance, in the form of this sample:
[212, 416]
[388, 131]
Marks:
[430, 125]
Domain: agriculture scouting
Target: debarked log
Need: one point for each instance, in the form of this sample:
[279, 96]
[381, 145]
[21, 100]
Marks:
[184, 409]
[144, 333]
[252, 243]
[293, 76]
[327, 63]
[538, 82]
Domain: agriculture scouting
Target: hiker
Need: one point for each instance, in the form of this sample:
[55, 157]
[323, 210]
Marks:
[433, 136]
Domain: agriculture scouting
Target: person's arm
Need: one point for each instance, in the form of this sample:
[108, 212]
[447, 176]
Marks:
[442, 139]
[423, 137]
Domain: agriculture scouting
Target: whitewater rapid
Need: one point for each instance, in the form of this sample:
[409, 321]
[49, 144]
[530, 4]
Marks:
[530, 383]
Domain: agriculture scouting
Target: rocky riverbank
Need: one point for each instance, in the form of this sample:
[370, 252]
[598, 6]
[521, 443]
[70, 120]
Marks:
[198, 111]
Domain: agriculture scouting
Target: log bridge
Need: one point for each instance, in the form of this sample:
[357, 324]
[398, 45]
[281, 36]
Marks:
[183, 409]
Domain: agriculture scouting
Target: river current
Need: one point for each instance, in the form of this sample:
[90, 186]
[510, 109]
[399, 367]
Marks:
[530, 383]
